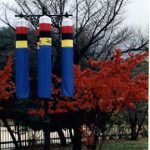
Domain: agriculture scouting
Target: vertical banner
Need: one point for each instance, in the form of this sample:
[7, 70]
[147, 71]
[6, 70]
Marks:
[22, 64]
[67, 57]
[44, 58]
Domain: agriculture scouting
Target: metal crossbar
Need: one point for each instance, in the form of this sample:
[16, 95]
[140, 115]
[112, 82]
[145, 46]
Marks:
[61, 15]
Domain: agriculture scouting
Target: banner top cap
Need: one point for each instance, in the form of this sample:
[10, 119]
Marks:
[21, 22]
[67, 22]
[45, 19]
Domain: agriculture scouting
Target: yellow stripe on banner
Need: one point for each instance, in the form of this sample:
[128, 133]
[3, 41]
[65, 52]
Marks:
[45, 41]
[21, 44]
[67, 43]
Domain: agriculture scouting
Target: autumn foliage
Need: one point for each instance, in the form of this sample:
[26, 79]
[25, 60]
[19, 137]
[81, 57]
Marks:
[6, 85]
[106, 85]
[103, 87]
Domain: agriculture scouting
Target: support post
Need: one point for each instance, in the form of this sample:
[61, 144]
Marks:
[46, 127]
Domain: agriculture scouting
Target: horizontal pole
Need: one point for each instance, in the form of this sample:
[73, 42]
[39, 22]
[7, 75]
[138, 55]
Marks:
[21, 15]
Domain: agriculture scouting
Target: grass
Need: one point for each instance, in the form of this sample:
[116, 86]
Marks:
[109, 145]
[126, 145]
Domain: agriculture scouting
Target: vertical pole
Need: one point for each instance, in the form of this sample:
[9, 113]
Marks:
[22, 64]
[47, 127]
[67, 58]
[44, 72]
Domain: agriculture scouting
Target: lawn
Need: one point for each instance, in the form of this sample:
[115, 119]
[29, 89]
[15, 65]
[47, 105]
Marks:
[109, 145]
[126, 145]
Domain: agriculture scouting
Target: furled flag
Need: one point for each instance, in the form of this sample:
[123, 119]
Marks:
[67, 58]
[22, 63]
[44, 58]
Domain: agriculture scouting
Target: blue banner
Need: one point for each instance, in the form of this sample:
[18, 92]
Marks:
[67, 72]
[44, 71]
[22, 73]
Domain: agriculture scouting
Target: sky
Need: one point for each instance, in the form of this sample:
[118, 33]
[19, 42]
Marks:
[137, 13]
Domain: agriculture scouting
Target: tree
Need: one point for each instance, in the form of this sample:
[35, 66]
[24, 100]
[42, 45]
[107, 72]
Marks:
[6, 91]
[98, 24]
[138, 42]
[7, 39]
[91, 95]
[98, 31]
[6, 85]
[93, 105]
[136, 118]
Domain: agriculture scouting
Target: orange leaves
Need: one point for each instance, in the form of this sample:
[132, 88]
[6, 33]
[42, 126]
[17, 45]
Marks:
[105, 85]
[111, 87]
[6, 85]
[131, 105]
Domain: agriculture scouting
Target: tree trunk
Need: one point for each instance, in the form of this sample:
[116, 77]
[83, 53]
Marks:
[94, 146]
[19, 136]
[134, 134]
[11, 133]
[71, 136]
[77, 144]
[62, 137]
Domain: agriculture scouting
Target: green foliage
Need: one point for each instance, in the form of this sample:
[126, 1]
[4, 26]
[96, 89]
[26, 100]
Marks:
[128, 145]
[7, 44]
[7, 39]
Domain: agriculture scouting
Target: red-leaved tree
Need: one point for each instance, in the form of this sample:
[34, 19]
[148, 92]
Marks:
[101, 89]
[6, 84]
[105, 87]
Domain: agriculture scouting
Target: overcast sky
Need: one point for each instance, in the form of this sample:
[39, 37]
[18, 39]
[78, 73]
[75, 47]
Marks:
[136, 15]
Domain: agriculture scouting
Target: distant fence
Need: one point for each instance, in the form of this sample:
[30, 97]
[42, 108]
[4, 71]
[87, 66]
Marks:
[29, 137]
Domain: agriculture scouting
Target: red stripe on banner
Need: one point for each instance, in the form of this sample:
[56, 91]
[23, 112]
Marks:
[45, 27]
[21, 30]
[67, 29]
